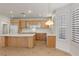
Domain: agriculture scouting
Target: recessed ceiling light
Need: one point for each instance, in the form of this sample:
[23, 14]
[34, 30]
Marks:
[24, 15]
[29, 11]
[11, 12]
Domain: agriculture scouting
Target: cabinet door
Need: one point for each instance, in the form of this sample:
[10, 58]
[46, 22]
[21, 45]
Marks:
[21, 42]
[22, 23]
[30, 42]
[2, 41]
[11, 42]
[51, 41]
[14, 22]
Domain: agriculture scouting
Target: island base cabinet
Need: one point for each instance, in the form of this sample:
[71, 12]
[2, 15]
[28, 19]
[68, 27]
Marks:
[20, 42]
[2, 41]
[51, 41]
[11, 42]
[30, 42]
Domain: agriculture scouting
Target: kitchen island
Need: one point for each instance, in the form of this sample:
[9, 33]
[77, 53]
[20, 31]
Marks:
[27, 40]
[17, 40]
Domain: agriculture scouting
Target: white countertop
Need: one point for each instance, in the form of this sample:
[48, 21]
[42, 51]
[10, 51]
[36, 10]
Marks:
[17, 34]
[51, 35]
[24, 34]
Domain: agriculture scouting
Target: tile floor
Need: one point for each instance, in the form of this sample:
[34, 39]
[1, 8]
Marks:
[40, 49]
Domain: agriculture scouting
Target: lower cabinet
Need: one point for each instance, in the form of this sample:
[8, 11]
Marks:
[20, 42]
[51, 41]
[28, 41]
[2, 41]
[15, 41]
[11, 42]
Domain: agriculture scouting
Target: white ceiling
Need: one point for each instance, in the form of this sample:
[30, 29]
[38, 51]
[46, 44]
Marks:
[38, 9]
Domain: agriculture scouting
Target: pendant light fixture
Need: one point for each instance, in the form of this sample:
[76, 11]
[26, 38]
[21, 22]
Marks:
[50, 19]
[49, 22]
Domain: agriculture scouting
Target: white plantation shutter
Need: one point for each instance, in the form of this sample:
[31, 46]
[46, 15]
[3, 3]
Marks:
[63, 28]
[75, 25]
[62, 25]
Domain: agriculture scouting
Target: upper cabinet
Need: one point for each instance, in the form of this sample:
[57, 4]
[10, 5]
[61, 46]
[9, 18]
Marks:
[29, 23]
[32, 21]
[22, 23]
[38, 22]
[15, 22]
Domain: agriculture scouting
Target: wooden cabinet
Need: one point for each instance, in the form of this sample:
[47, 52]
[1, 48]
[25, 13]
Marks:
[17, 42]
[11, 41]
[30, 42]
[20, 41]
[14, 22]
[22, 23]
[51, 41]
[41, 36]
[38, 22]
[31, 22]
[2, 41]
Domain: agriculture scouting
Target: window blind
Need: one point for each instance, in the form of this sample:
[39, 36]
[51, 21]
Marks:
[75, 26]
